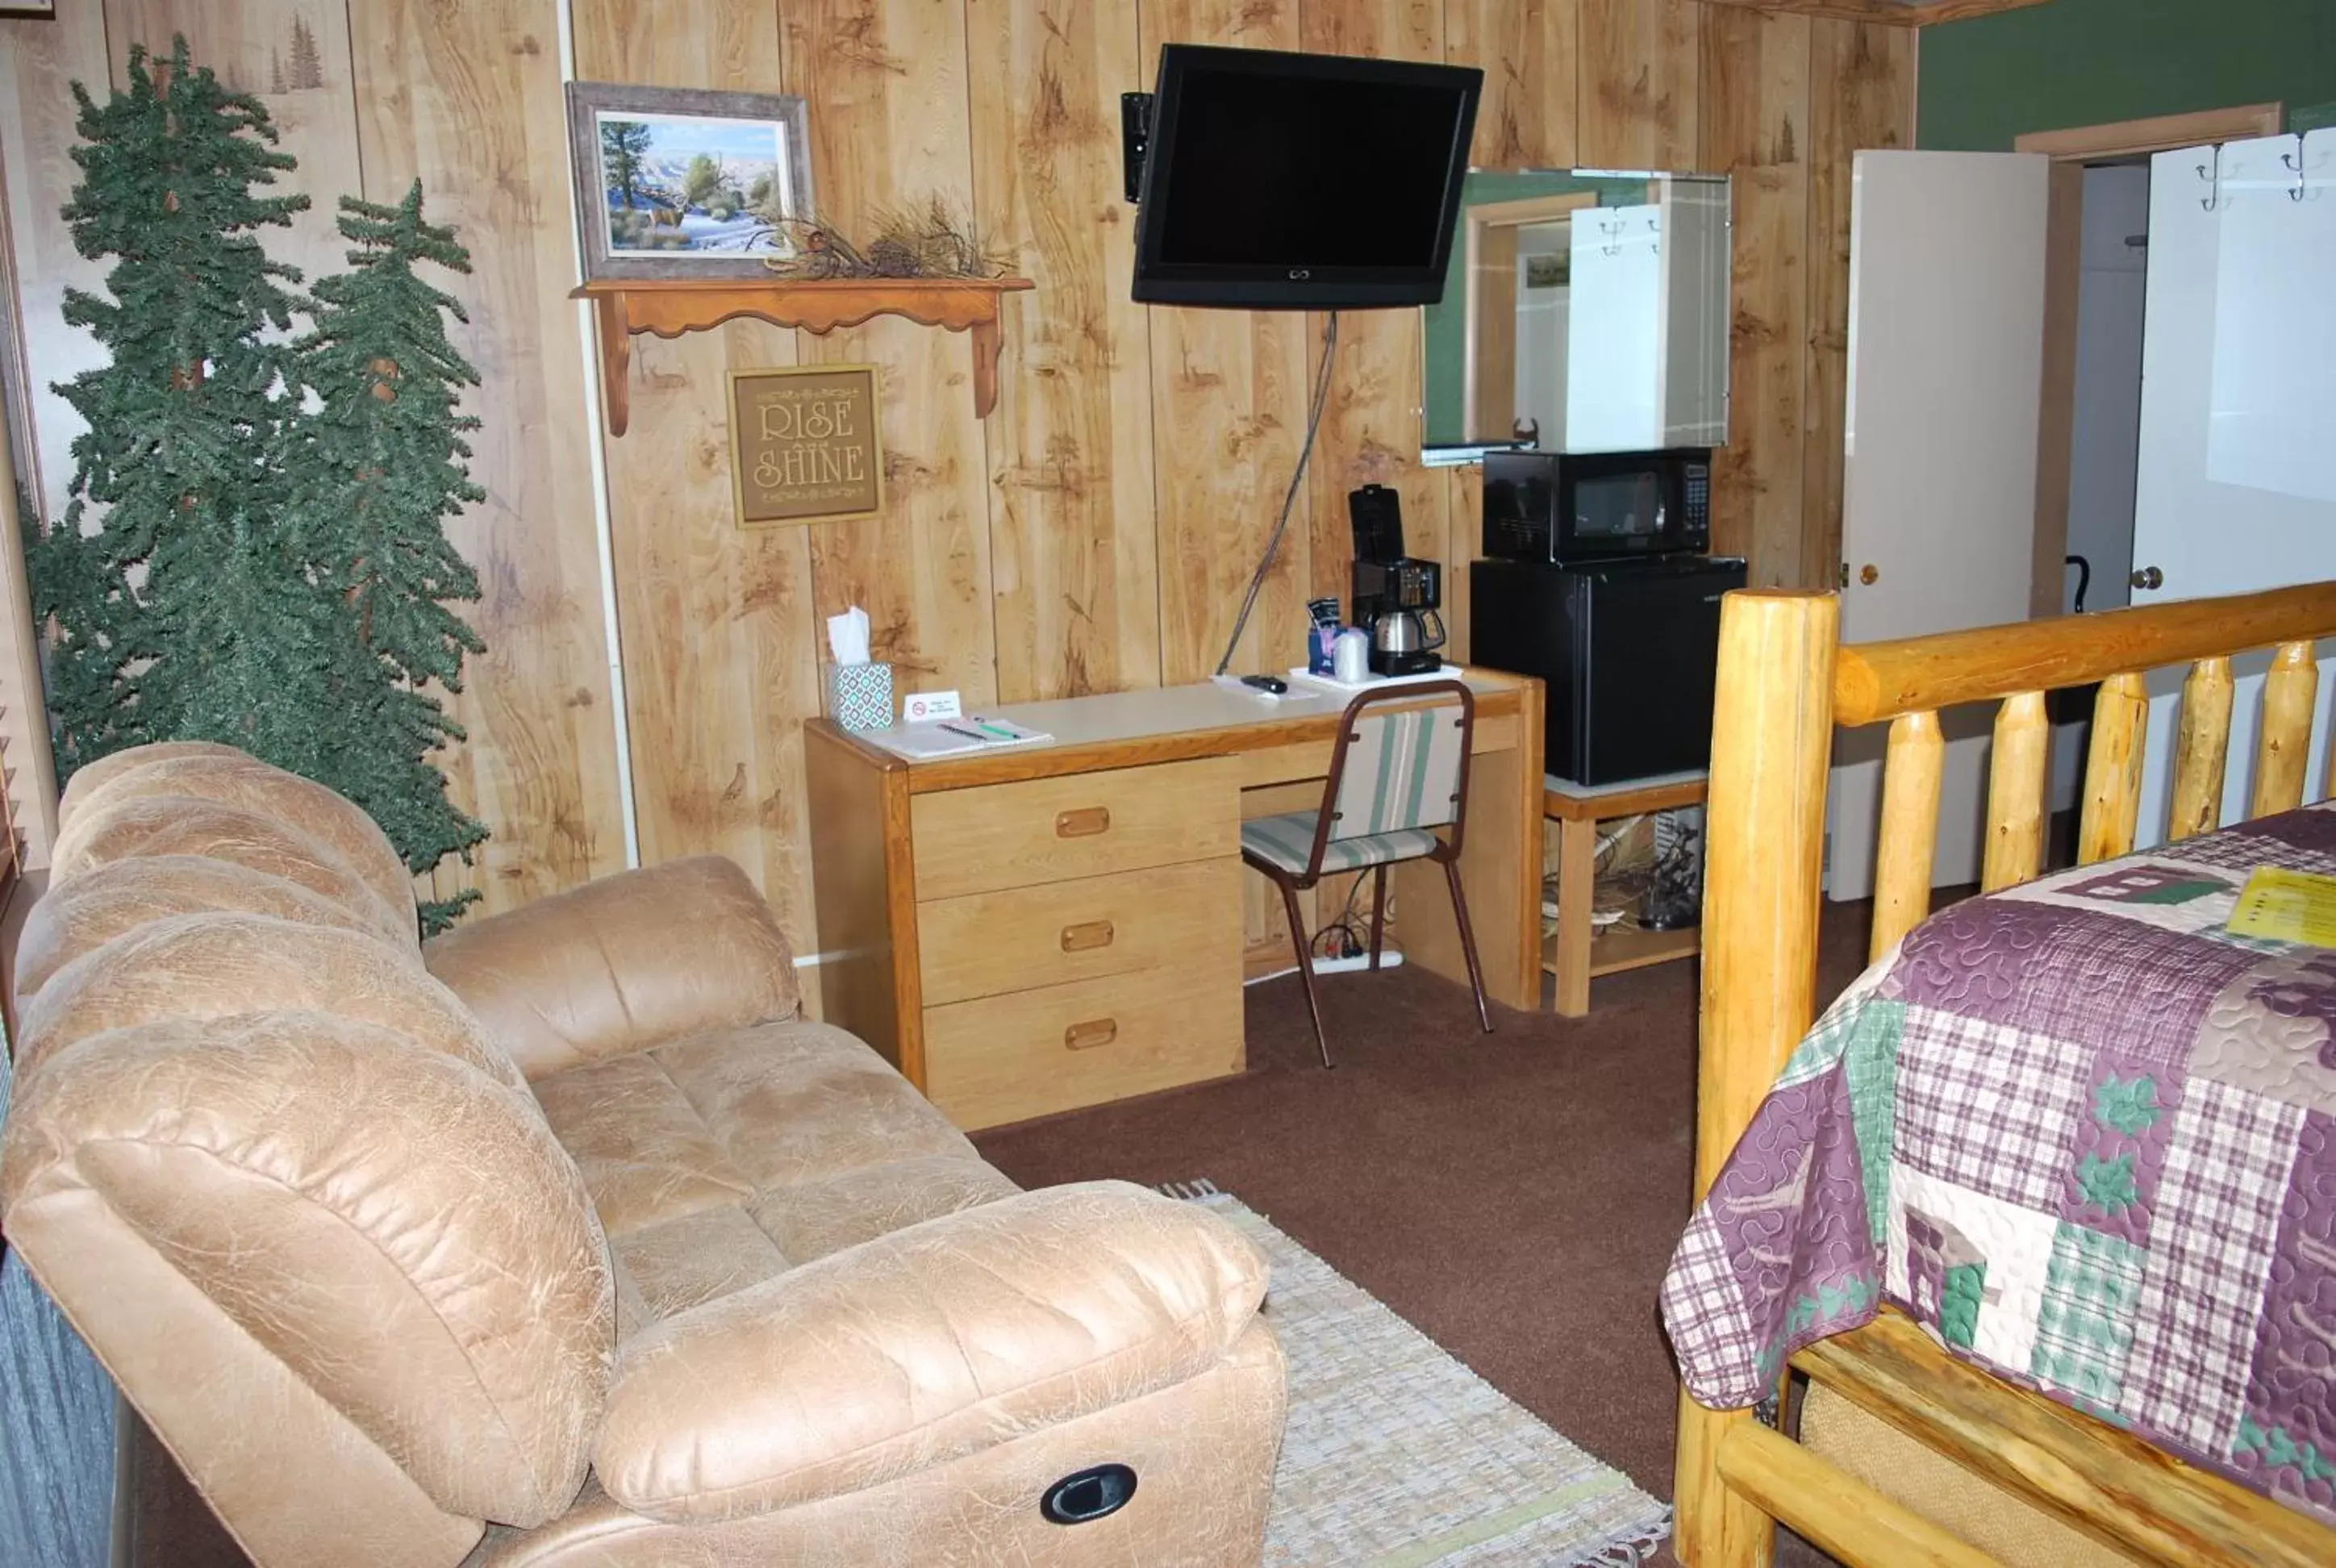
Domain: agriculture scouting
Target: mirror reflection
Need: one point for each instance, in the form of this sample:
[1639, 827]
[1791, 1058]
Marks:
[1584, 311]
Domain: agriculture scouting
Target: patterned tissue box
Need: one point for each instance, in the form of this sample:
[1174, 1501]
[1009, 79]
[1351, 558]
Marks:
[859, 696]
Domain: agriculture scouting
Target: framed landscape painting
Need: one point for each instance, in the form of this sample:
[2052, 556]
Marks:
[675, 183]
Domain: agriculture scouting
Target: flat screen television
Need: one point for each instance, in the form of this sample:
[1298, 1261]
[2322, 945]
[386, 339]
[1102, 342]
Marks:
[1278, 181]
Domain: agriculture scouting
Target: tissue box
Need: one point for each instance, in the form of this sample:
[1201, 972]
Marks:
[859, 696]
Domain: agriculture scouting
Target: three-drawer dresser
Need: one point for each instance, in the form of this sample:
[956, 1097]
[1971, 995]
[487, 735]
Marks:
[1032, 928]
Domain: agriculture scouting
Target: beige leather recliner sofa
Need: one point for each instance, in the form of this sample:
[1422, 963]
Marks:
[565, 1241]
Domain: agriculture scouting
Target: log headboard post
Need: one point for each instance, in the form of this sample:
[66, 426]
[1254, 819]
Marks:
[1771, 744]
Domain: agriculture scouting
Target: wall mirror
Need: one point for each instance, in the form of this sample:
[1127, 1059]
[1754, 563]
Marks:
[1584, 311]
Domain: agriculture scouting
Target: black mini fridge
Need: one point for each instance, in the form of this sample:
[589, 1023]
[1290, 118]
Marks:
[1629, 650]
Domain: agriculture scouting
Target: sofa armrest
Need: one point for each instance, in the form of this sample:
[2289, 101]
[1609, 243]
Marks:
[920, 1347]
[621, 964]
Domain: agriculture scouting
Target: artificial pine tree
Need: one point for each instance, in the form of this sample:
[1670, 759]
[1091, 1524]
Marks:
[254, 551]
[176, 479]
[376, 471]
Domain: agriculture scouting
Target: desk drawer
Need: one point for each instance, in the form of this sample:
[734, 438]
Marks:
[988, 944]
[1051, 830]
[1007, 1058]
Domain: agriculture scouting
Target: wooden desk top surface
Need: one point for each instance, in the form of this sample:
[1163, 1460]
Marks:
[1129, 728]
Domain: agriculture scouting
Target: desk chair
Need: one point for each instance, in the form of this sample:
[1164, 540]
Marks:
[1395, 778]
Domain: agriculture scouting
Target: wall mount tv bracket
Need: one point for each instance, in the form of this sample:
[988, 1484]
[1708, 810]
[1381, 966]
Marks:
[1134, 139]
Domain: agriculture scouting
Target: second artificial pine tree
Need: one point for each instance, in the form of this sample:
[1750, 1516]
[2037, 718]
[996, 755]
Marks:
[376, 472]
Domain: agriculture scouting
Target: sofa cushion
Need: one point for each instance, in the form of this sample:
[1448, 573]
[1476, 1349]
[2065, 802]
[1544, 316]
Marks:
[89, 778]
[245, 783]
[86, 911]
[646, 1154]
[729, 1158]
[916, 1348]
[393, 1224]
[152, 826]
[229, 965]
[622, 964]
[803, 1102]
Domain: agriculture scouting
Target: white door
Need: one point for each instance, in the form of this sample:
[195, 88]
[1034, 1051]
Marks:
[2236, 486]
[1946, 355]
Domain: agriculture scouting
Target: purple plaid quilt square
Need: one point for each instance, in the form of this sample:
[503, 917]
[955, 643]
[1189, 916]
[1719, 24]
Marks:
[1987, 1107]
[2243, 848]
[2212, 1235]
[1712, 1334]
[2311, 830]
[2085, 975]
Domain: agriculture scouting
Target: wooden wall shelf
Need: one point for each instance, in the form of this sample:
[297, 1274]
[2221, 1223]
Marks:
[670, 306]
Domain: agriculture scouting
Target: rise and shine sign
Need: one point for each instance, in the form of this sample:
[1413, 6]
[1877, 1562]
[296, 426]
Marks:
[803, 445]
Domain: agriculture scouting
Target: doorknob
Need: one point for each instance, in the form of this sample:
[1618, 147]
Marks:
[1869, 574]
[2148, 579]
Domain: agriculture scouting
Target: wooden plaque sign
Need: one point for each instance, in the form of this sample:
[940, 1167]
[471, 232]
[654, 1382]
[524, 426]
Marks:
[803, 445]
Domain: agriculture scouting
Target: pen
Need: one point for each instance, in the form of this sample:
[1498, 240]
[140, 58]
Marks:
[967, 733]
[993, 729]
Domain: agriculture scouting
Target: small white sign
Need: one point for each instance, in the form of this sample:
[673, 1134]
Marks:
[923, 706]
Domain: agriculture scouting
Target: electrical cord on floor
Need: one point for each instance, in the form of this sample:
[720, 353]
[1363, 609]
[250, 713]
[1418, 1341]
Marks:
[1352, 939]
[1289, 499]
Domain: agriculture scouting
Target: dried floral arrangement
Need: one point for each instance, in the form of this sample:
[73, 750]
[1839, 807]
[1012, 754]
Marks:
[931, 240]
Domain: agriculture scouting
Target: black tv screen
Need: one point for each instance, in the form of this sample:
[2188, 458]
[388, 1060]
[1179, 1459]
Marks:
[1302, 182]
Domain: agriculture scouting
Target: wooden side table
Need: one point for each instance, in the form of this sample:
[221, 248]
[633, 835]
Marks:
[1571, 953]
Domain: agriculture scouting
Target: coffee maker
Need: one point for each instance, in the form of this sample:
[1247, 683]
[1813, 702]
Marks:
[1397, 599]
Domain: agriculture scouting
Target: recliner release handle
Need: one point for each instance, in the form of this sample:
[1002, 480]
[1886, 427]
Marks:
[1088, 1494]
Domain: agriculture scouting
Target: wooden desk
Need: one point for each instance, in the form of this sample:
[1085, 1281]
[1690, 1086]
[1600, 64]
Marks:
[1571, 953]
[1030, 928]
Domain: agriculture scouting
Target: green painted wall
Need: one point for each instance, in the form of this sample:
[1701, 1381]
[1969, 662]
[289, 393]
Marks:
[2090, 62]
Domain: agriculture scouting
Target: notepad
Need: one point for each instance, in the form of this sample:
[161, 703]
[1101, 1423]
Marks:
[2286, 906]
[951, 737]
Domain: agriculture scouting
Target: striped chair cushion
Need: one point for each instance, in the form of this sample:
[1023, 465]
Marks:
[1402, 771]
[1286, 842]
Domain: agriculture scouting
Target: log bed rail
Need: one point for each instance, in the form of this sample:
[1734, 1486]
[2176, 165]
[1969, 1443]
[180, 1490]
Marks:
[1785, 684]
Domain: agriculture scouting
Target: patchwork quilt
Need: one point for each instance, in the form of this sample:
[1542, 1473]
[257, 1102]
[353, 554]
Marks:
[2084, 1135]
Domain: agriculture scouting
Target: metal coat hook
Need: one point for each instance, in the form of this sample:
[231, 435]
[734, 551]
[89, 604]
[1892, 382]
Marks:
[2295, 161]
[2213, 176]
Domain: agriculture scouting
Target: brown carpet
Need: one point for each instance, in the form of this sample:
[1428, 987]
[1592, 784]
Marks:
[1515, 1195]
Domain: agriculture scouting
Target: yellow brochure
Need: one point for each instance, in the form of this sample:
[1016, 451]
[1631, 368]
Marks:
[2286, 906]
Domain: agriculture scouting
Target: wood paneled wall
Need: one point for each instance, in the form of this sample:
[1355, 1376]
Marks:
[1095, 531]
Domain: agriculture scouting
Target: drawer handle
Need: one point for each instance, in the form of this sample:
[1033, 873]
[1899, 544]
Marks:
[1080, 939]
[1084, 823]
[1094, 1032]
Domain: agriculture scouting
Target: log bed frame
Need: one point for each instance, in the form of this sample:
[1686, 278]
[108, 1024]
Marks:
[1784, 683]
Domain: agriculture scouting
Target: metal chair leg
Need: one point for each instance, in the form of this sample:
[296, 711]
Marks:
[1306, 967]
[1467, 942]
[1378, 908]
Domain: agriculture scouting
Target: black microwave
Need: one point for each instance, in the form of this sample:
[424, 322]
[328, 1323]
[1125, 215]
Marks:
[1570, 507]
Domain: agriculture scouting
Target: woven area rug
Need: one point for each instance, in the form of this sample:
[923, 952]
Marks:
[1399, 1456]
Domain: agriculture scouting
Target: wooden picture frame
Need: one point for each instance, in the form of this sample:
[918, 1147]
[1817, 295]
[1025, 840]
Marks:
[758, 146]
[806, 444]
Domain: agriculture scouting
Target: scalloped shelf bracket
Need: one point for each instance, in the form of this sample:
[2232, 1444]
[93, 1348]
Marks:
[670, 306]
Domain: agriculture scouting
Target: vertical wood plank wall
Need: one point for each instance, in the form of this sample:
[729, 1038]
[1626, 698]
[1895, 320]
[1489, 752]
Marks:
[1093, 534]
